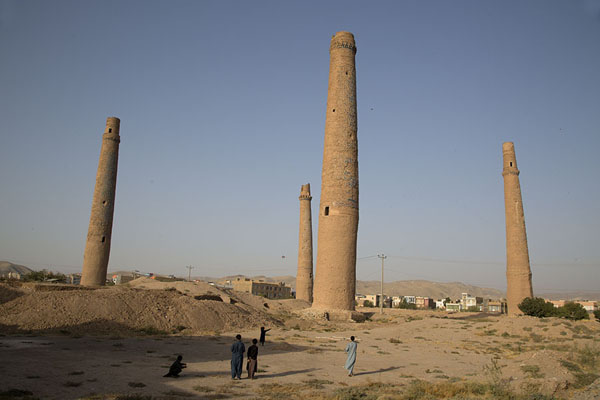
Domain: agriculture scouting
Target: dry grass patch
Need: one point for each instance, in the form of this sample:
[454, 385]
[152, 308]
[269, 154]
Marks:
[178, 393]
[583, 363]
[16, 394]
[278, 390]
[309, 389]
[72, 384]
[203, 389]
[533, 371]
[317, 383]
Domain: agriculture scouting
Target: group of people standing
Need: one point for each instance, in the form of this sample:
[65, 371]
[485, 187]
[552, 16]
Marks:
[238, 349]
[237, 355]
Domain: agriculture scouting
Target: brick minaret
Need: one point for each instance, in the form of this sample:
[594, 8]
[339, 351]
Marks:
[335, 279]
[304, 277]
[518, 273]
[97, 249]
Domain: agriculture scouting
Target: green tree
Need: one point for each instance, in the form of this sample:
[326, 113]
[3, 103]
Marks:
[43, 275]
[368, 303]
[597, 315]
[572, 311]
[537, 307]
[406, 305]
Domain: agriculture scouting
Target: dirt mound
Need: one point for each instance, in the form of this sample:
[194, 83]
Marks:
[200, 288]
[122, 310]
[188, 288]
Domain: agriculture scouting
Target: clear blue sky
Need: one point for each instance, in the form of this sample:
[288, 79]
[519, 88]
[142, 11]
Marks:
[222, 108]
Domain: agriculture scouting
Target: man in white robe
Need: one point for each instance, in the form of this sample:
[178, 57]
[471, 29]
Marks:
[351, 350]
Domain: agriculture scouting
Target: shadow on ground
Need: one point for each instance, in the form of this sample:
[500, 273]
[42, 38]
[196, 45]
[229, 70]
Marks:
[8, 293]
[67, 366]
[376, 372]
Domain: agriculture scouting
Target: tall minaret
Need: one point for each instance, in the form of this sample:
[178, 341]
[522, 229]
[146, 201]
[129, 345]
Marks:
[304, 277]
[97, 248]
[518, 273]
[335, 280]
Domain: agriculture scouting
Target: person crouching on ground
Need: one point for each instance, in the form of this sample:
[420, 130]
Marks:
[176, 368]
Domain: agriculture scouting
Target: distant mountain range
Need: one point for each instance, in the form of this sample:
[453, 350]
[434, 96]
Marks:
[6, 267]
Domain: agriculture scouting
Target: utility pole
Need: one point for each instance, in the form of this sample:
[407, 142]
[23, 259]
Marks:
[190, 268]
[383, 257]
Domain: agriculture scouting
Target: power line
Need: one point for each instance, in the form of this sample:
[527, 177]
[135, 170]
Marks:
[190, 268]
[479, 262]
[383, 257]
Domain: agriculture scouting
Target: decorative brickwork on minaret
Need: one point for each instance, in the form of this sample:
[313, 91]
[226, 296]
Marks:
[518, 272]
[304, 277]
[335, 279]
[97, 249]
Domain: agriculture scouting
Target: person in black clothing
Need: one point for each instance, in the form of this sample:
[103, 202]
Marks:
[252, 365]
[176, 368]
[263, 334]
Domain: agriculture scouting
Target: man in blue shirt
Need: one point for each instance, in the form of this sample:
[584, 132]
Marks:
[237, 357]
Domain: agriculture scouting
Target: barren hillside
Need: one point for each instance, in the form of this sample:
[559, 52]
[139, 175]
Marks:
[6, 267]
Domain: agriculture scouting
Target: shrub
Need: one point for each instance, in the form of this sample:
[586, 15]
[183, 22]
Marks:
[572, 311]
[368, 303]
[150, 330]
[43, 275]
[537, 307]
[406, 305]
[532, 370]
[597, 315]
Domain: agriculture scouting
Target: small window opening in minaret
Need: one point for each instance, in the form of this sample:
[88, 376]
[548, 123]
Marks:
[511, 163]
[333, 110]
[104, 202]
[103, 239]
[346, 72]
[109, 130]
[326, 210]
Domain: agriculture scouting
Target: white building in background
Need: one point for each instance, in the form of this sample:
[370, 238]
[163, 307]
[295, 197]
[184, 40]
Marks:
[467, 301]
[396, 301]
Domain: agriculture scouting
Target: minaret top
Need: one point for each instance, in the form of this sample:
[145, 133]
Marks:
[343, 40]
[305, 192]
[112, 125]
[509, 159]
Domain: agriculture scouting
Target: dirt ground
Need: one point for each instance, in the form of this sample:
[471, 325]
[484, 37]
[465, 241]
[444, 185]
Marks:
[305, 358]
